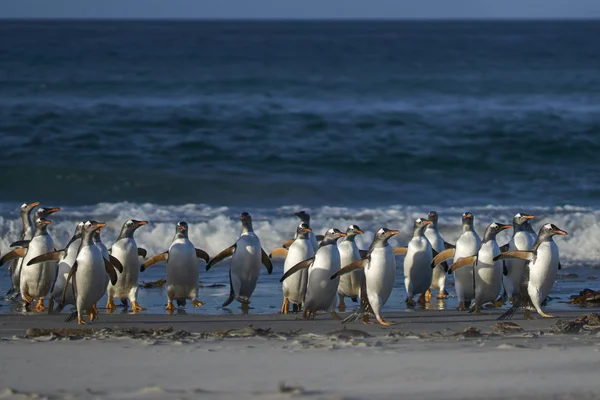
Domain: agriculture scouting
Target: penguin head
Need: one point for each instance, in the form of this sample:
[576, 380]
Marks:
[521, 218]
[467, 221]
[353, 230]
[78, 234]
[92, 227]
[304, 216]
[433, 217]
[44, 212]
[246, 222]
[41, 222]
[331, 236]
[384, 234]
[26, 208]
[181, 230]
[420, 225]
[493, 229]
[129, 227]
[549, 230]
[303, 230]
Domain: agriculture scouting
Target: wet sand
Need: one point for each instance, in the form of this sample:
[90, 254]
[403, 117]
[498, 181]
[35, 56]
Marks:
[426, 354]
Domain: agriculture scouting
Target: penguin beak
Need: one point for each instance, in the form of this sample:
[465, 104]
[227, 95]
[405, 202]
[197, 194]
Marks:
[306, 230]
[559, 232]
[46, 222]
[505, 227]
[141, 223]
[427, 222]
[33, 205]
[181, 227]
[529, 216]
[100, 225]
[358, 231]
[392, 233]
[52, 210]
[431, 215]
[342, 234]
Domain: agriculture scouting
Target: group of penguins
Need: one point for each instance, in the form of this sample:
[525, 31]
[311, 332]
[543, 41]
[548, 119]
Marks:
[317, 269]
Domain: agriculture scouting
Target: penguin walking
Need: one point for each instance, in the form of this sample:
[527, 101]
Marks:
[88, 274]
[487, 272]
[294, 288]
[107, 256]
[417, 264]
[182, 268]
[379, 266]
[247, 256]
[349, 252]
[125, 250]
[515, 268]
[540, 271]
[314, 239]
[467, 245]
[438, 244]
[26, 235]
[321, 289]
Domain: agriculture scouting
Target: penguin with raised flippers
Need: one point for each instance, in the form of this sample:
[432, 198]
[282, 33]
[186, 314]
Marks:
[247, 256]
[349, 252]
[515, 268]
[26, 235]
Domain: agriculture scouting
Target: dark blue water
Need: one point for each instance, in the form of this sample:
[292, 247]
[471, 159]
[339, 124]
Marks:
[276, 113]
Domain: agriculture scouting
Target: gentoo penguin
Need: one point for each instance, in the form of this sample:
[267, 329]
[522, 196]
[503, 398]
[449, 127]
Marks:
[417, 263]
[88, 274]
[26, 235]
[107, 256]
[37, 279]
[304, 219]
[294, 288]
[515, 268]
[487, 272]
[182, 268]
[349, 252]
[126, 251]
[540, 271]
[379, 266]
[321, 289]
[438, 281]
[247, 255]
[467, 245]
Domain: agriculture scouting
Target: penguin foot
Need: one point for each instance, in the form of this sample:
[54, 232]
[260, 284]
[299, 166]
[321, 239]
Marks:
[498, 303]
[135, 307]
[196, 303]
[513, 300]
[91, 314]
[40, 305]
[80, 320]
[421, 299]
[442, 295]
[544, 315]
[27, 299]
[365, 319]
[170, 306]
[308, 314]
[384, 322]
[410, 302]
[342, 305]
[428, 295]
[110, 304]
[285, 307]
[461, 306]
[243, 300]
[336, 316]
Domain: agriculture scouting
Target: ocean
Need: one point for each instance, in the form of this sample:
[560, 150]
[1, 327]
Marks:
[367, 122]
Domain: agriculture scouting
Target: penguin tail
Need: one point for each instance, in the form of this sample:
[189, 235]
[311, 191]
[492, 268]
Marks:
[510, 312]
[72, 316]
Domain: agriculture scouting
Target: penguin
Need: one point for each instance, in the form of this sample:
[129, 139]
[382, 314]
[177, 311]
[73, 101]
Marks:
[304, 219]
[88, 274]
[106, 254]
[294, 288]
[321, 289]
[417, 264]
[349, 252]
[182, 268]
[467, 245]
[487, 272]
[438, 280]
[540, 271]
[125, 250]
[515, 268]
[247, 255]
[26, 235]
[379, 266]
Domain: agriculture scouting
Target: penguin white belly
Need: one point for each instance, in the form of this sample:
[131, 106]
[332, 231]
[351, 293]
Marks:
[89, 278]
[182, 271]
[380, 275]
[64, 267]
[467, 245]
[321, 289]
[542, 273]
[488, 274]
[417, 266]
[106, 256]
[37, 279]
[294, 287]
[126, 251]
[438, 279]
[516, 268]
[245, 265]
[349, 283]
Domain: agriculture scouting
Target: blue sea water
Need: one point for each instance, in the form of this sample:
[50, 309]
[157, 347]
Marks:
[373, 123]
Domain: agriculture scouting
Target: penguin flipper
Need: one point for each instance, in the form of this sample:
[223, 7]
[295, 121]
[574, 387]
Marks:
[153, 260]
[231, 293]
[110, 270]
[266, 261]
[16, 253]
[442, 256]
[279, 252]
[202, 254]
[228, 252]
[400, 250]
[52, 256]
[116, 263]
[463, 262]
[142, 252]
[359, 264]
[300, 266]
[519, 254]
[69, 277]
[449, 245]
[20, 243]
[320, 237]
[363, 253]
[287, 244]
